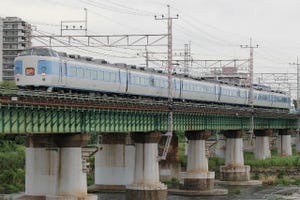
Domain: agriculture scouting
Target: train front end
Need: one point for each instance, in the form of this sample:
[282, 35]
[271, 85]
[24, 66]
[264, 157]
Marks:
[37, 68]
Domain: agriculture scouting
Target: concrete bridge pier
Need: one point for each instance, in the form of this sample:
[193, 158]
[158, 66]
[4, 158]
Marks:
[197, 176]
[262, 144]
[146, 184]
[235, 172]
[54, 167]
[114, 163]
[234, 169]
[284, 142]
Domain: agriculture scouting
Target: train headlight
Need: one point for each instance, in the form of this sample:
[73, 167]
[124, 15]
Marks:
[43, 76]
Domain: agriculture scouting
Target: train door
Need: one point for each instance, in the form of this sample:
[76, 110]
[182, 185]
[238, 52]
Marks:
[152, 85]
[127, 80]
[60, 73]
[219, 91]
[181, 88]
[65, 73]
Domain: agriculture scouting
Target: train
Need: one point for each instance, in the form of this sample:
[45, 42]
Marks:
[47, 68]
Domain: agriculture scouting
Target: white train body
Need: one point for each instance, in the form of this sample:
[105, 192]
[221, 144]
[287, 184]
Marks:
[45, 68]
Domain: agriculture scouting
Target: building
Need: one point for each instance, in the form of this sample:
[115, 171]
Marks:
[16, 36]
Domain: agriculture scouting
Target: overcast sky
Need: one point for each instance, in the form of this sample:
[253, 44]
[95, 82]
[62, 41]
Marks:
[216, 28]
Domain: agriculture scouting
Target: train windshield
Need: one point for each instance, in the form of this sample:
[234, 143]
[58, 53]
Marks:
[39, 52]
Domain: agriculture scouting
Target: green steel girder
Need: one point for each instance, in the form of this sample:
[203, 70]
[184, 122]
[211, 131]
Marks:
[15, 119]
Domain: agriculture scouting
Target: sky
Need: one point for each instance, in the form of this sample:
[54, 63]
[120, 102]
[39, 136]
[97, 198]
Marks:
[215, 28]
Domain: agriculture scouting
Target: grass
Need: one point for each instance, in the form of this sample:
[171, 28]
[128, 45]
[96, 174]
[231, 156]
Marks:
[173, 183]
[275, 160]
[8, 84]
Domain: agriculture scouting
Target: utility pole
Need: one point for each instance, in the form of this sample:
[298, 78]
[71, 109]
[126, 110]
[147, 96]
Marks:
[170, 70]
[298, 104]
[251, 97]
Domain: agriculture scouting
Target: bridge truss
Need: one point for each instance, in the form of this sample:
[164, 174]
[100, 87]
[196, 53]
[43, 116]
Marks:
[24, 112]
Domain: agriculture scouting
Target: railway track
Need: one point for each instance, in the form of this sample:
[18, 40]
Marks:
[55, 99]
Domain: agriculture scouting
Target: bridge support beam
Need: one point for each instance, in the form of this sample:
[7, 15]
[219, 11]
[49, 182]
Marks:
[197, 176]
[234, 169]
[54, 167]
[146, 184]
[284, 142]
[114, 163]
[262, 144]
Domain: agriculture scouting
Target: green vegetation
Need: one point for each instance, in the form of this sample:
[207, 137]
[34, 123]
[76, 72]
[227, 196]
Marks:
[8, 84]
[91, 172]
[182, 156]
[276, 198]
[237, 191]
[173, 183]
[12, 162]
[273, 161]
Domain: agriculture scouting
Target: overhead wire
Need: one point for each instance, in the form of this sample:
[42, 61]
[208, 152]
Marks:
[118, 9]
[105, 54]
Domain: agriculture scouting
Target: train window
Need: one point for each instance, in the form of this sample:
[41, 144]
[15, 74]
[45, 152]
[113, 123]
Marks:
[113, 76]
[94, 75]
[18, 67]
[41, 52]
[161, 84]
[106, 76]
[146, 81]
[101, 75]
[157, 83]
[26, 52]
[73, 71]
[151, 81]
[80, 72]
[87, 73]
[132, 79]
[141, 80]
[30, 71]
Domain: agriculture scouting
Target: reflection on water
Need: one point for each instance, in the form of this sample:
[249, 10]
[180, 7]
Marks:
[235, 193]
[111, 196]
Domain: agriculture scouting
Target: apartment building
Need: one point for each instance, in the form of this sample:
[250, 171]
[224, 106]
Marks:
[16, 36]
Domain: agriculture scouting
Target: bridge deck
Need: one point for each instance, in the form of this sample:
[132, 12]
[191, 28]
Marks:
[41, 112]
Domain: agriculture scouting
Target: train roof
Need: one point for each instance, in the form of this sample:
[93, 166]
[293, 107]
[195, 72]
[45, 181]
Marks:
[39, 51]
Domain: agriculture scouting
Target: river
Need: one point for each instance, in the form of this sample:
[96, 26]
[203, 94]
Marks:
[235, 193]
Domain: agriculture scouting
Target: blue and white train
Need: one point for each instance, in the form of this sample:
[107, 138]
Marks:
[46, 68]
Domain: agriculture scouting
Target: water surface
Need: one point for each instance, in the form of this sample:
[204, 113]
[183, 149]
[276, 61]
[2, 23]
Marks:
[235, 193]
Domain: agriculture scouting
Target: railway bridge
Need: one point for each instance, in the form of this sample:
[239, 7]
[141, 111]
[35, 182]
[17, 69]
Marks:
[59, 125]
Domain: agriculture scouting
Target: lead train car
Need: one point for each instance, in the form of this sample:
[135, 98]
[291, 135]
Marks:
[42, 67]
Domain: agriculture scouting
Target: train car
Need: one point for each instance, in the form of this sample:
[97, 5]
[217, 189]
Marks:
[233, 95]
[38, 67]
[48, 69]
[199, 90]
[92, 77]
